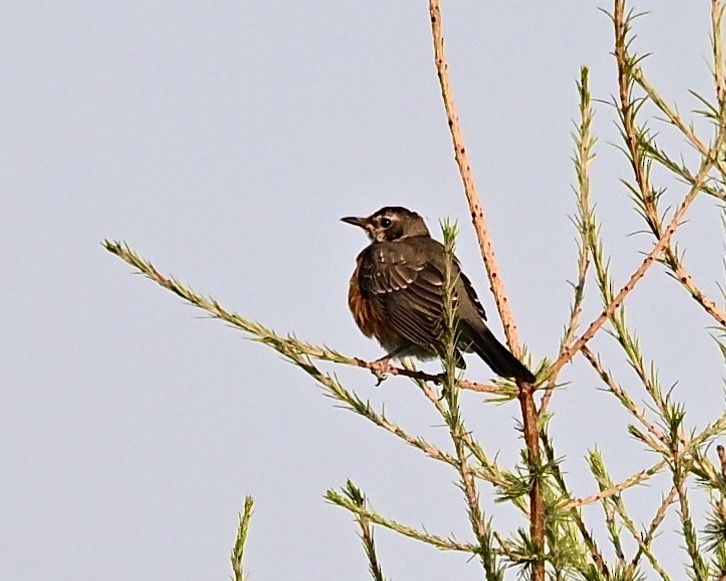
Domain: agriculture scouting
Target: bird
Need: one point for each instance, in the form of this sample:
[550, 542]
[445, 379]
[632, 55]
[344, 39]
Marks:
[396, 295]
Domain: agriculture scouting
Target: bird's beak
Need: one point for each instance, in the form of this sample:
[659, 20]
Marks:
[360, 222]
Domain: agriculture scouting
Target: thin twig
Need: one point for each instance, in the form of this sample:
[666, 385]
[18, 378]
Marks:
[647, 539]
[648, 261]
[614, 503]
[369, 546]
[267, 335]
[719, 75]
[462, 159]
[526, 391]
[238, 551]
[624, 398]
[452, 414]
[684, 277]
[584, 144]
[635, 479]
[445, 544]
[634, 140]
[719, 65]
[573, 511]
[609, 504]
[698, 565]
[374, 366]
[487, 469]
[686, 129]
[627, 107]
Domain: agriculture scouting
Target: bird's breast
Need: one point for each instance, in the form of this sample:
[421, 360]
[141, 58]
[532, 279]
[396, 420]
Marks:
[368, 315]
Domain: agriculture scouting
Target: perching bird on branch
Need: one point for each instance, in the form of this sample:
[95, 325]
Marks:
[396, 295]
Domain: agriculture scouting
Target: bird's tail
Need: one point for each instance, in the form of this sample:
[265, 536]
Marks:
[497, 356]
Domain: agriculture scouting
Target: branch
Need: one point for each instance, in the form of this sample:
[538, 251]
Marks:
[635, 139]
[238, 551]
[369, 546]
[684, 277]
[711, 157]
[268, 336]
[584, 220]
[719, 65]
[462, 160]
[374, 367]
[686, 129]
[645, 541]
[614, 504]
[449, 544]
[526, 397]
[639, 273]
[635, 479]
[536, 493]
[451, 414]
[574, 514]
[698, 565]
[625, 399]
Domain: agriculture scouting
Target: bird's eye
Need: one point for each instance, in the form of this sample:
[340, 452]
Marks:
[386, 222]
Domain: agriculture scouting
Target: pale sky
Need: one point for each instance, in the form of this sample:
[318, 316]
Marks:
[223, 141]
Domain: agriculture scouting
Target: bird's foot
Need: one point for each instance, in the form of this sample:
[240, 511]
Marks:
[379, 368]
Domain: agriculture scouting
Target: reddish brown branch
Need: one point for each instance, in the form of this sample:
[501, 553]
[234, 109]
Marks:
[536, 497]
[617, 488]
[648, 261]
[624, 398]
[632, 135]
[462, 160]
[626, 73]
[645, 541]
[375, 368]
[526, 391]
[722, 459]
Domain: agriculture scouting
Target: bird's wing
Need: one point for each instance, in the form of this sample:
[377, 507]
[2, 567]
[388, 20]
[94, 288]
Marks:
[407, 286]
[469, 309]
[471, 294]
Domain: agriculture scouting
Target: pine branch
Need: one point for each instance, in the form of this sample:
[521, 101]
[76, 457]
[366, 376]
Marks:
[635, 479]
[444, 544]
[462, 160]
[571, 508]
[584, 220]
[238, 551]
[613, 505]
[626, 400]
[526, 391]
[638, 143]
[265, 335]
[649, 535]
[369, 546]
[452, 413]
[639, 273]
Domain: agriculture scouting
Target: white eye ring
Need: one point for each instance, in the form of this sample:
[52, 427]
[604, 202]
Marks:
[386, 222]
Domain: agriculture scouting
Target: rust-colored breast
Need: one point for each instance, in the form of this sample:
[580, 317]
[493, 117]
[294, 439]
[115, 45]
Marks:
[370, 320]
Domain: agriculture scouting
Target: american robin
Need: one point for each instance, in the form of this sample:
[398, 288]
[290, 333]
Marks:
[396, 296]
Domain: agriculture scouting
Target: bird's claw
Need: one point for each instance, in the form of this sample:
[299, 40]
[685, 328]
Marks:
[379, 368]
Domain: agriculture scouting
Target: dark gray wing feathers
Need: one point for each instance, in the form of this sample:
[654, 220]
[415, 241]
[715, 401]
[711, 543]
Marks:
[406, 280]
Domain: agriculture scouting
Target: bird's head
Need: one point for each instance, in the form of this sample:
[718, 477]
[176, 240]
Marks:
[390, 223]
